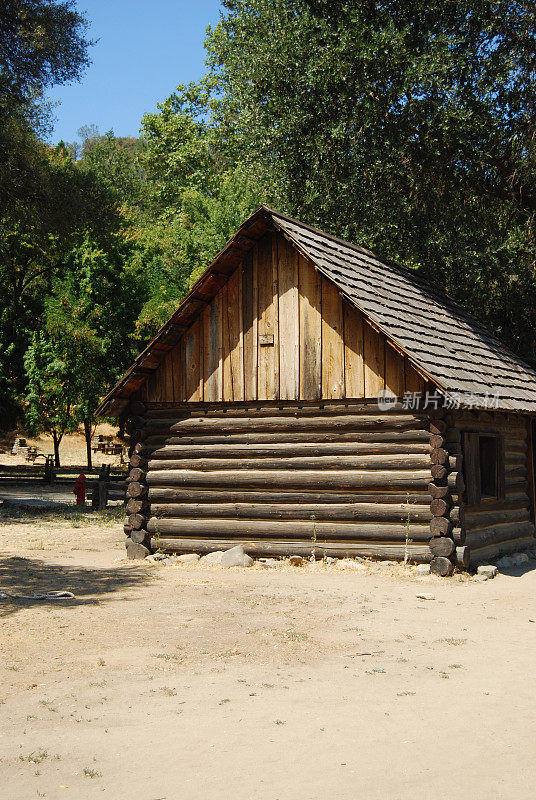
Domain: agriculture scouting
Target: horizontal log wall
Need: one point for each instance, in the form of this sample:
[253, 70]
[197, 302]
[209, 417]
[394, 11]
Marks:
[333, 478]
[341, 512]
[496, 526]
[279, 330]
[336, 477]
[418, 554]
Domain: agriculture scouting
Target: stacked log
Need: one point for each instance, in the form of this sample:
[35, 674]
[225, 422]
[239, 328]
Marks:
[418, 554]
[494, 526]
[447, 536]
[355, 480]
[135, 415]
[276, 477]
[135, 525]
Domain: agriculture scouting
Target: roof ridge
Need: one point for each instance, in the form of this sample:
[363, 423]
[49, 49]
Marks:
[312, 228]
[425, 281]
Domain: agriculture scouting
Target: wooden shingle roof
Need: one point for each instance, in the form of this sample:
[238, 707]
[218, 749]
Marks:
[442, 340]
[460, 355]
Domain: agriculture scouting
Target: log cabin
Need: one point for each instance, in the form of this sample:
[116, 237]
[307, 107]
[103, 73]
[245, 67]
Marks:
[309, 397]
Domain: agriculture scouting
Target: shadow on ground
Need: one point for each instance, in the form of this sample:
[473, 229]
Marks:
[90, 585]
[519, 570]
[12, 513]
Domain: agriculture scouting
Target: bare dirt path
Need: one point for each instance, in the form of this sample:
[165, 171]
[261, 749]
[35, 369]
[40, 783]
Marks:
[193, 683]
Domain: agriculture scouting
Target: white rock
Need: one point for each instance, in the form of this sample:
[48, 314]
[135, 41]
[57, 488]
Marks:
[480, 578]
[151, 559]
[269, 563]
[212, 558]
[425, 596]
[489, 570]
[235, 557]
[422, 569]
[388, 563]
[160, 556]
[188, 558]
[359, 566]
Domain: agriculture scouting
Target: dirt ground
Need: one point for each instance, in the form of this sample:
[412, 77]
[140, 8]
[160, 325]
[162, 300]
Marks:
[72, 449]
[195, 683]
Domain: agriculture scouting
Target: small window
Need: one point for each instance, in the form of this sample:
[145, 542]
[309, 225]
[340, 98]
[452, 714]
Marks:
[483, 467]
[489, 465]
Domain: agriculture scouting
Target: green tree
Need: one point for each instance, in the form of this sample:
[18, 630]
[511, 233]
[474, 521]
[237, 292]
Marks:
[179, 151]
[113, 161]
[36, 238]
[196, 196]
[88, 320]
[43, 204]
[409, 127]
[158, 272]
[42, 43]
[49, 390]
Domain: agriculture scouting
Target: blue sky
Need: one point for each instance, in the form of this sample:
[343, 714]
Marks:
[145, 48]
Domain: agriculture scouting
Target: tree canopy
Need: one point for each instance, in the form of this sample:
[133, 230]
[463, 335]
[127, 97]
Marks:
[409, 128]
[42, 43]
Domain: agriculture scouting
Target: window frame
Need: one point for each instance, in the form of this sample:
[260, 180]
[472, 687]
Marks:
[471, 466]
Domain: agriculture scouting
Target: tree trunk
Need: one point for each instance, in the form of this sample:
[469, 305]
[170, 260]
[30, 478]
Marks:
[57, 439]
[87, 434]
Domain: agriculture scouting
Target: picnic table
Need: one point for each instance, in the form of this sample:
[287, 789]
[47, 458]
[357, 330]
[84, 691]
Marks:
[101, 442]
[32, 453]
[105, 444]
[113, 448]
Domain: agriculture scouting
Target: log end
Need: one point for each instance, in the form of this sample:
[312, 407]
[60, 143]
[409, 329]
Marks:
[135, 550]
[141, 537]
[441, 566]
[463, 557]
[442, 546]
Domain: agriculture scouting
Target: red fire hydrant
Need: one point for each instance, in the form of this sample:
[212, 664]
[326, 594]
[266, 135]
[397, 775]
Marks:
[79, 490]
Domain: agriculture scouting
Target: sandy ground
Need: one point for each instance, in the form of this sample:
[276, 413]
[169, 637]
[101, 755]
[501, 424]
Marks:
[72, 449]
[194, 683]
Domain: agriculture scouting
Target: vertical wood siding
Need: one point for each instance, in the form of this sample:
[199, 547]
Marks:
[289, 319]
[279, 330]
[267, 363]
[332, 343]
[310, 324]
[233, 340]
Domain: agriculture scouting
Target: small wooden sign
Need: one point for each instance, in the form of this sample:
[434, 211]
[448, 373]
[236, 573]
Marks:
[266, 339]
